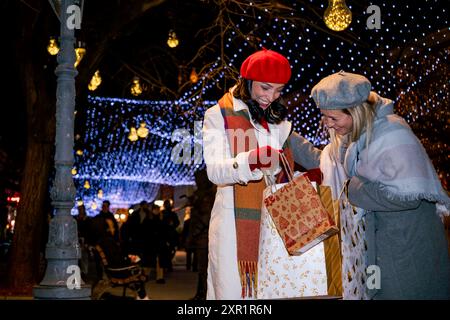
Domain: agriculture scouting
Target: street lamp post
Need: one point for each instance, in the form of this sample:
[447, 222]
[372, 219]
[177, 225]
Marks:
[62, 278]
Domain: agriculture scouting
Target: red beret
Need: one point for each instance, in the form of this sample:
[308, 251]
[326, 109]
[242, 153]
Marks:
[266, 66]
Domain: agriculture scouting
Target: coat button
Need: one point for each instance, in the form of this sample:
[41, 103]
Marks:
[235, 165]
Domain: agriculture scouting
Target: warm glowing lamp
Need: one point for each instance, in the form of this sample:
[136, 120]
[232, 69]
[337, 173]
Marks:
[136, 88]
[95, 81]
[194, 76]
[79, 54]
[173, 40]
[159, 203]
[142, 132]
[133, 135]
[53, 47]
[337, 16]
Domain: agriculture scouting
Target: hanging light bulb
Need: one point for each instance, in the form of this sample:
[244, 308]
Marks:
[74, 171]
[80, 51]
[100, 194]
[95, 81]
[80, 202]
[53, 47]
[79, 152]
[133, 135]
[173, 40]
[142, 131]
[337, 16]
[136, 88]
[194, 76]
[93, 206]
[86, 184]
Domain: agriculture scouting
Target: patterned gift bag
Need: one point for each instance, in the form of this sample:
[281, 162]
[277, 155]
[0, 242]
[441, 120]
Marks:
[299, 214]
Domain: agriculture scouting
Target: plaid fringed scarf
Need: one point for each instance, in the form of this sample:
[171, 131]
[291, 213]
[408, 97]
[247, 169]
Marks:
[247, 198]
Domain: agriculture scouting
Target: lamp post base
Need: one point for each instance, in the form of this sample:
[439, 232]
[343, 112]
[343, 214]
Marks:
[44, 292]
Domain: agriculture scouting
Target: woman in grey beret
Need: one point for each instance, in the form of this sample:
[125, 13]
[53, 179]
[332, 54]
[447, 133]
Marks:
[393, 240]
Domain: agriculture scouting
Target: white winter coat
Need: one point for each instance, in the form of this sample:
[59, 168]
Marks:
[223, 276]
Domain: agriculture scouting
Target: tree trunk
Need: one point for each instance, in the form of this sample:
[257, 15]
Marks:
[39, 87]
[24, 261]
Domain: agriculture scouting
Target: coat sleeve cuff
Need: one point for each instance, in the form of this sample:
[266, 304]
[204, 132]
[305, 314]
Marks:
[242, 167]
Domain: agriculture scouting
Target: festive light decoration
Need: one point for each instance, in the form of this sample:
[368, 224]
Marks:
[337, 16]
[159, 203]
[142, 132]
[53, 47]
[405, 61]
[133, 135]
[136, 88]
[127, 171]
[172, 41]
[95, 81]
[79, 54]
[194, 76]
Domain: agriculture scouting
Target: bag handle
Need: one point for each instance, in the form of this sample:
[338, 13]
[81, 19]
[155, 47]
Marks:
[287, 167]
[270, 180]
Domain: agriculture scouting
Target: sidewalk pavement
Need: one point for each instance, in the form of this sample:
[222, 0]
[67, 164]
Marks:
[180, 284]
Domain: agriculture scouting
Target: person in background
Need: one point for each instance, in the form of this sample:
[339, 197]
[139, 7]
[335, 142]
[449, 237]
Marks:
[202, 203]
[133, 233]
[171, 220]
[117, 258]
[105, 213]
[191, 257]
[83, 226]
[157, 242]
[393, 186]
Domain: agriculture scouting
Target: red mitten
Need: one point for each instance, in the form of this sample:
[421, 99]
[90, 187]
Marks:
[315, 175]
[264, 157]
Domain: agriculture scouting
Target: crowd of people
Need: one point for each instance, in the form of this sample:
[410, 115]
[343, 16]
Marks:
[150, 235]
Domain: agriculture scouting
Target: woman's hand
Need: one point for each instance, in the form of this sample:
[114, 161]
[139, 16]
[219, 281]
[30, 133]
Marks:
[264, 158]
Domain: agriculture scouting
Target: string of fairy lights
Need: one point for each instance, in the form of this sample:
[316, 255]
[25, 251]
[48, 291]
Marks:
[399, 59]
[128, 171]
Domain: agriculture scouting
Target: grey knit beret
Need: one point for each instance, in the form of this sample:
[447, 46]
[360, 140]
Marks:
[341, 90]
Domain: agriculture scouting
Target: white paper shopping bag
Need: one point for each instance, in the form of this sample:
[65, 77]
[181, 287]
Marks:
[281, 275]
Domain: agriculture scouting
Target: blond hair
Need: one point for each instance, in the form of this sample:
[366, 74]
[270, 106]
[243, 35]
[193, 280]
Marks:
[363, 116]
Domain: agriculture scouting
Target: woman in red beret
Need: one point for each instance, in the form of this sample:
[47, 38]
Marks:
[243, 135]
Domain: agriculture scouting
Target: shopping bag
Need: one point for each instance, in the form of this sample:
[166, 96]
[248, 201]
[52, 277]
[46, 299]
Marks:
[299, 214]
[282, 275]
[332, 248]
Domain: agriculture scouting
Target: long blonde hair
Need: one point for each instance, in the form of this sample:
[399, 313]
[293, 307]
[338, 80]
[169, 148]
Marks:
[363, 116]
